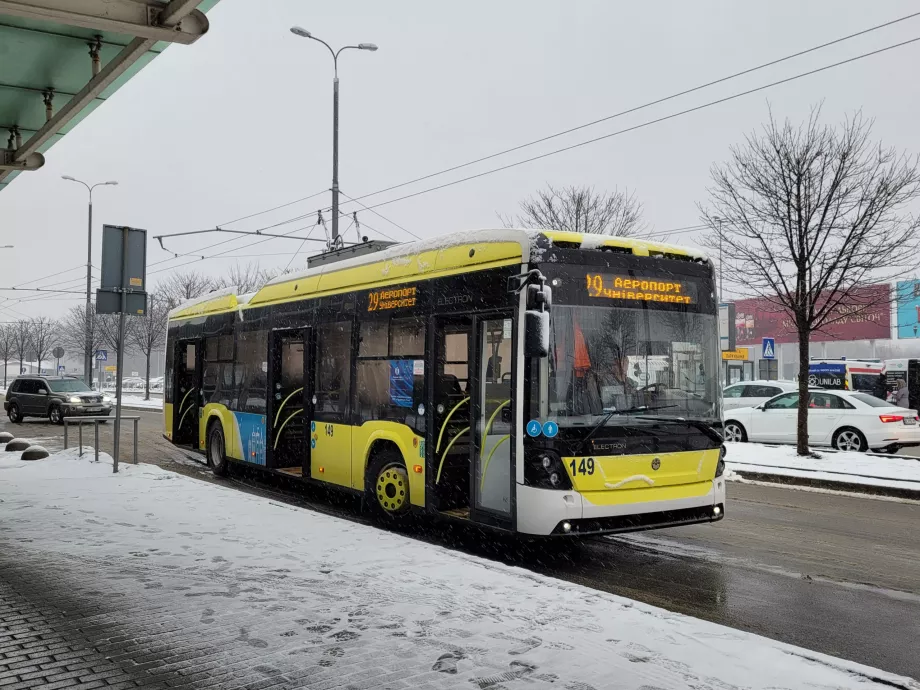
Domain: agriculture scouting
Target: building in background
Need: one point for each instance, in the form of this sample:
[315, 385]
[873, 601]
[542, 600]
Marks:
[861, 328]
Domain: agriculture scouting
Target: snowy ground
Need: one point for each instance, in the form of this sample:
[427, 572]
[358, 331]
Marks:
[137, 402]
[846, 467]
[316, 598]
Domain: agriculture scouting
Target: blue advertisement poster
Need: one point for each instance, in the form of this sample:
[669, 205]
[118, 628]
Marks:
[402, 382]
[252, 436]
[908, 308]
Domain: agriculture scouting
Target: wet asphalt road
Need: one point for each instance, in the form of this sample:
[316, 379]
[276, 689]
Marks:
[830, 573]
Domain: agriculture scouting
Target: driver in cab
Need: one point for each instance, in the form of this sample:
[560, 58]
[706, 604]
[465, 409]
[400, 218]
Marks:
[618, 390]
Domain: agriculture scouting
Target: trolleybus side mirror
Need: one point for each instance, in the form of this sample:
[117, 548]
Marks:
[536, 333]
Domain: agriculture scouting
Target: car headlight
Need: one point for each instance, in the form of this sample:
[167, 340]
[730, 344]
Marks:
[106, 398]
[75, 399]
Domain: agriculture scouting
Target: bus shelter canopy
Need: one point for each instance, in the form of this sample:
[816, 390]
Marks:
[60, 59]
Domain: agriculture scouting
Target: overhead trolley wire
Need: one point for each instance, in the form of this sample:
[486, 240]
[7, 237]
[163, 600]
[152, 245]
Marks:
[379, 215]
[646, 124]
[549, 137]
[634, 109]
[684, 92]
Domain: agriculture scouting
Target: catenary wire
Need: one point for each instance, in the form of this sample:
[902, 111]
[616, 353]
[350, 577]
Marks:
[379, 215]
[643, 106]
[648, 123]
[549, 137]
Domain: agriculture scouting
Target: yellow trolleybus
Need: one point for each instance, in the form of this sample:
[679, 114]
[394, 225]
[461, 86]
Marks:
[488, 376]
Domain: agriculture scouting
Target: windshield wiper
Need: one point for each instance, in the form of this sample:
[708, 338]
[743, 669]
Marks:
[707, 428]
[611, 413]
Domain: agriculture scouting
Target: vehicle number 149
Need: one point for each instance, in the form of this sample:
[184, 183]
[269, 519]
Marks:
[584, 467]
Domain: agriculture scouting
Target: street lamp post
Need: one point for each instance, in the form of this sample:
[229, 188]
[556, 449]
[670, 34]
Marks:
[88, 334]
[303, 33]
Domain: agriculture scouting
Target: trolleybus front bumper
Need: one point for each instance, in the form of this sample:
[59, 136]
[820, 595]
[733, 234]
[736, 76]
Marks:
[548, 512]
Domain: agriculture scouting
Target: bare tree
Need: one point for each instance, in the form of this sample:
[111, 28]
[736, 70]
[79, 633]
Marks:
[580, 209]
[42, 333]
[72, 334]
[245, 278]
[148, 333]
[180, 287]
[109, 332]
[21, 341]
[7, 347]
[807, 216]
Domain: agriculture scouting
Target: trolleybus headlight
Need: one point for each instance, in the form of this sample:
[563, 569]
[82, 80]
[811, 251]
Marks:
[544, 469]
[720, 466]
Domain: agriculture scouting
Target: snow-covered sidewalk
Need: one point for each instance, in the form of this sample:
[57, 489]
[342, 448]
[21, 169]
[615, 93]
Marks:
[229, 588]
[858, 469]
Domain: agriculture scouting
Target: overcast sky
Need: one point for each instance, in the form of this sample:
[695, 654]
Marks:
[241, 121]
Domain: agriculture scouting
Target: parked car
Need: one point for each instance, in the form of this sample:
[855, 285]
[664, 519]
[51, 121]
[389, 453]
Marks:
[54, 397]
[752, 393]
[845, 420]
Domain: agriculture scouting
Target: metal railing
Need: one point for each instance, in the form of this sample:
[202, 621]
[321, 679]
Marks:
[96, 421]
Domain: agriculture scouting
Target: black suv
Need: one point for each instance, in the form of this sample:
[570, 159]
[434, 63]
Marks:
[54, 397]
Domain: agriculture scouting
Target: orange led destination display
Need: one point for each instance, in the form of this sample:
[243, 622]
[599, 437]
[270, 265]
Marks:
[391, 298]
[642, 289]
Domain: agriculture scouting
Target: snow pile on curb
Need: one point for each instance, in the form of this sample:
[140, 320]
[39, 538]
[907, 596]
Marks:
[306, 586]
[844, 467]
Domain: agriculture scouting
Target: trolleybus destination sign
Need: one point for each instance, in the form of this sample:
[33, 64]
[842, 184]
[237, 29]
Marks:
[637, 288]
[391, 298]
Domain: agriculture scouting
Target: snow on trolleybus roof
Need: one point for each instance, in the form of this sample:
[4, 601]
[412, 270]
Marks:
[404, 254]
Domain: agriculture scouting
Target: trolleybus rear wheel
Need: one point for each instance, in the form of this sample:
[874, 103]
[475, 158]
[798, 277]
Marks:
[216, 449]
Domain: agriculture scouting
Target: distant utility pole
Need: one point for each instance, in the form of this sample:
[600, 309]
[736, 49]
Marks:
[88, 334]
[303, 33]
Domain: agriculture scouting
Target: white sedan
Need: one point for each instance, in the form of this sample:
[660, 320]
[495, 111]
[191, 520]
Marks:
[845, 420]
[751, 393]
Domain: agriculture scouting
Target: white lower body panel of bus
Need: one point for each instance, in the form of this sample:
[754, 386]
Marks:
[546, 512]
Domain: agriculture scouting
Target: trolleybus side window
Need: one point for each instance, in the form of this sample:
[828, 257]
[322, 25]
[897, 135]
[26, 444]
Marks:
[456, 365]
[252, 371]
[333, 367]
[217, 378]
[168, 377]
[391, 380]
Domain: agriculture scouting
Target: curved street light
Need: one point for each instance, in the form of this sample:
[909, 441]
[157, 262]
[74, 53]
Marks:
[303, 33]
[88, 335]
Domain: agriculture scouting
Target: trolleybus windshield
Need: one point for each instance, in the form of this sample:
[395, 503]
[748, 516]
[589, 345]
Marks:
[628, 342]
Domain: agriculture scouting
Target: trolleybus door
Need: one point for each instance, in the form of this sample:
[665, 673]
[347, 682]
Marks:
[492, 413]
[448, 470]
[188, 392]
[288, 440]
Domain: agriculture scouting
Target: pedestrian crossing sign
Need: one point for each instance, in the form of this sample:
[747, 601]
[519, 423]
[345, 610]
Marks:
[769, 348]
